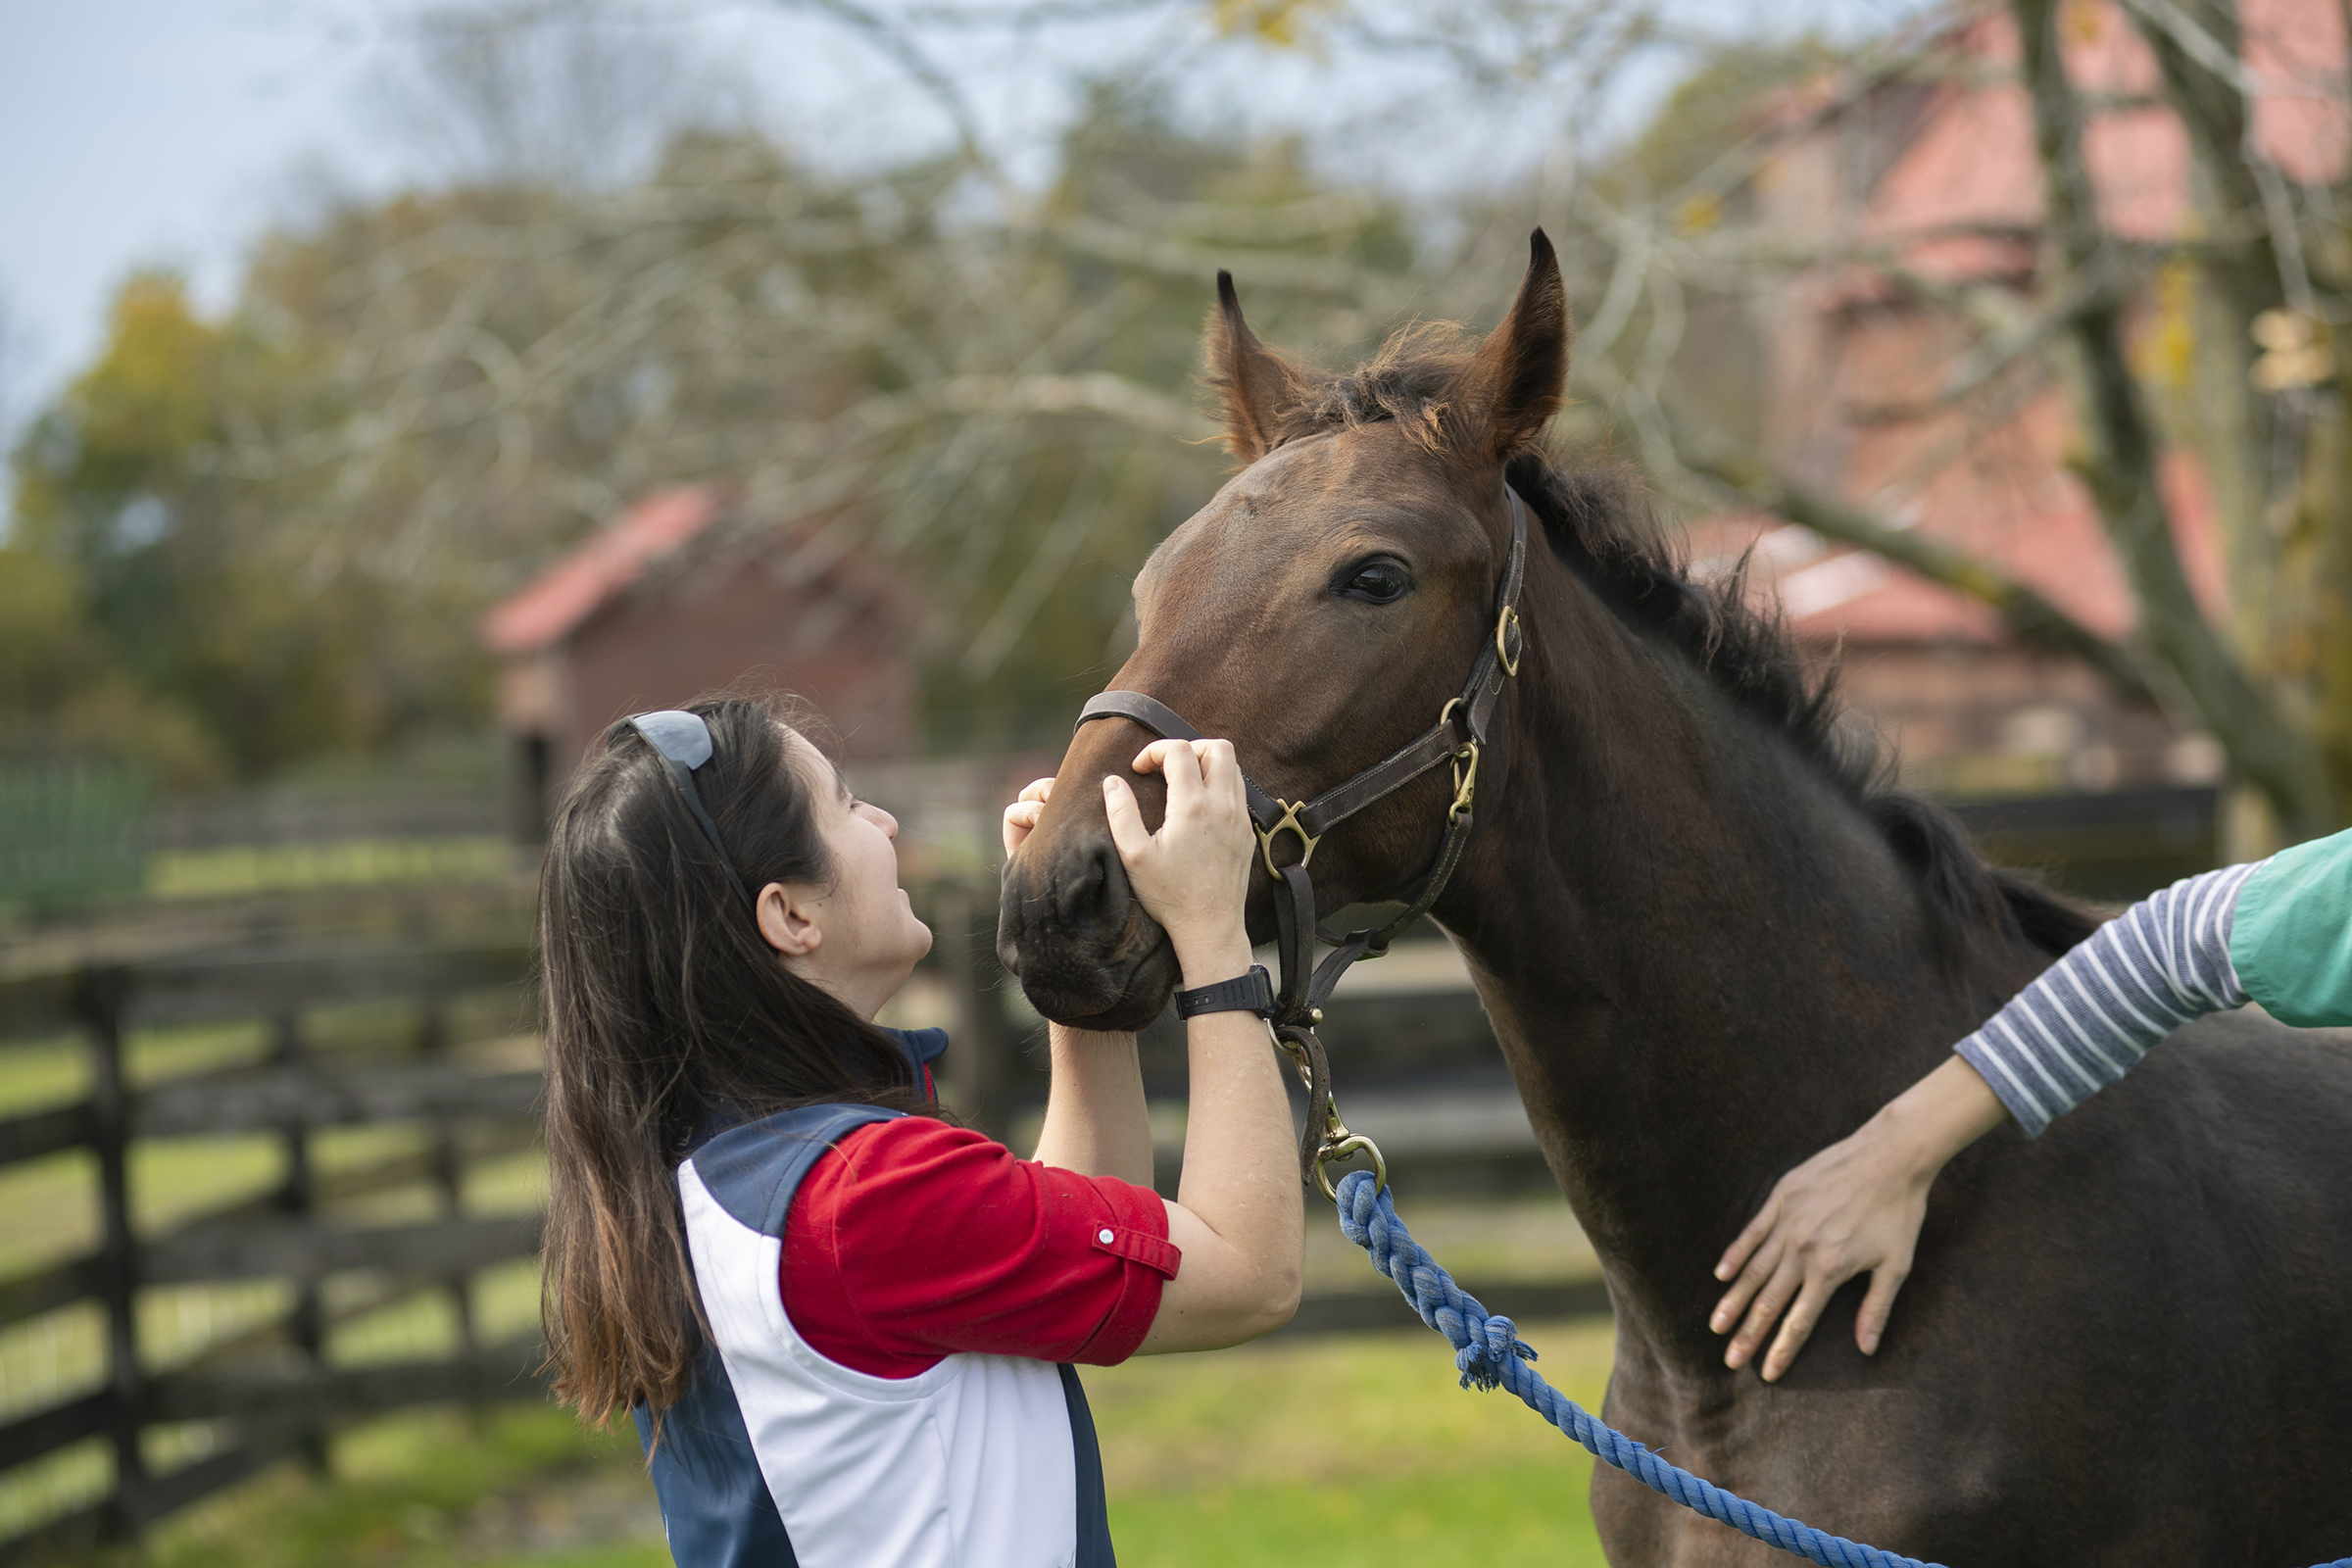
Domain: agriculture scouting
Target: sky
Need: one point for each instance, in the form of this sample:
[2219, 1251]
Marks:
[173, 133]
[136, 132]
[140, 132]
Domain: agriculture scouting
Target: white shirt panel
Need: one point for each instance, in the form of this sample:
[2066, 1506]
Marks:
[968, 1463]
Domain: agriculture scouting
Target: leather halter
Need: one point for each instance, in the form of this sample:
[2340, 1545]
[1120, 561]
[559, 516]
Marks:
[1460, 737]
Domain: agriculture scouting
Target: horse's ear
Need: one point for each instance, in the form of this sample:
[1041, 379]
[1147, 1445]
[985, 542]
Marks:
[1253, 382]
[1513, 384]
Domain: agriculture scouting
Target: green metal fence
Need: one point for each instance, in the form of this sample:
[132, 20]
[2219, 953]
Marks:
[68, 830]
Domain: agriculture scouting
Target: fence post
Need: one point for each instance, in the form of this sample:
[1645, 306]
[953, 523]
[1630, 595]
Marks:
[976, 1066]
[104, 992]
[449, 1165]
[298, 1196]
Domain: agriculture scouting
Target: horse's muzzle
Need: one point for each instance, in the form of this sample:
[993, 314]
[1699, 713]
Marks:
[1076, 938]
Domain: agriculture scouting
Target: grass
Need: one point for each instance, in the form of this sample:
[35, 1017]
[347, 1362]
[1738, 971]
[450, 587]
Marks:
[435, 1489]
[1360, 1449]
[248, 868]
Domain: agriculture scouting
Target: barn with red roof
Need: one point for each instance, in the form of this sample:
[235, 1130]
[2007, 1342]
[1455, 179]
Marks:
[690, 591]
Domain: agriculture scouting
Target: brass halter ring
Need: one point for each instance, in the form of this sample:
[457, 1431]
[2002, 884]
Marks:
[1290, 820]
[1346, 1147]
[1507, 647]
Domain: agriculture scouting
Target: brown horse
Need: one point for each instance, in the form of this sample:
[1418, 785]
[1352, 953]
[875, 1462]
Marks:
[1711, 942]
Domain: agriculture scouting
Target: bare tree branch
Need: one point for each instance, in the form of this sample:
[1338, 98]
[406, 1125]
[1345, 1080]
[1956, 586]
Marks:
[2033, 617]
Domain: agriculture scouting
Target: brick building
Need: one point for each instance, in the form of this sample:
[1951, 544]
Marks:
[1938, 173]
[686, 593]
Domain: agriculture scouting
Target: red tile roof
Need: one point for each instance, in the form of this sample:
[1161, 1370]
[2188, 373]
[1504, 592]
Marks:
[560, 600]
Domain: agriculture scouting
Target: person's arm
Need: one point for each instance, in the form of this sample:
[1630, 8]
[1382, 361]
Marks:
[1095, 1118]
[1857, 1206]
[1237, 1218]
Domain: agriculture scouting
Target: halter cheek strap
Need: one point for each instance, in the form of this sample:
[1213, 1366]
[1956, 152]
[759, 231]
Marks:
[1460, 737]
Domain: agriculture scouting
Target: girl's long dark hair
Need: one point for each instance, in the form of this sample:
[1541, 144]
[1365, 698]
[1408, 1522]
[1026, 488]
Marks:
[665, 1009]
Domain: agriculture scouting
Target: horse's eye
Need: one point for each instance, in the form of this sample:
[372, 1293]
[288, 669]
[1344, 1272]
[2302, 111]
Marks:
[1380, 581]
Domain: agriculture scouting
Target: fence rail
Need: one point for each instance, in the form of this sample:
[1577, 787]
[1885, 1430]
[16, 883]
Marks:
[1420, 1064]
[257, 1408]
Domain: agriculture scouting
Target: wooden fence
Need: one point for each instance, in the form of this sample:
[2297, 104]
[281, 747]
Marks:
[1417, 1060]
[268, 1389]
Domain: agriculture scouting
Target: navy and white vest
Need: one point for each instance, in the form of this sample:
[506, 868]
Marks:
[780, 1458]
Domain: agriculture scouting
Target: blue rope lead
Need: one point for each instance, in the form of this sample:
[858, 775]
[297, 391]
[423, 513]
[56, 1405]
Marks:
[1489, 1352]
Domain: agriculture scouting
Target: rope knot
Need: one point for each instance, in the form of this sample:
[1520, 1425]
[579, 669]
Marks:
[1493, 1345]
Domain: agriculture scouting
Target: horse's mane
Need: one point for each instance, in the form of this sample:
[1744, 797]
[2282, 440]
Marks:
[1596, 522]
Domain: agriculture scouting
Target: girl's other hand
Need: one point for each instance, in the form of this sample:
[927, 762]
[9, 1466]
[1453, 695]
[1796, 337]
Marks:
[1022, 814]
[1192, 874]
[1855, 1207]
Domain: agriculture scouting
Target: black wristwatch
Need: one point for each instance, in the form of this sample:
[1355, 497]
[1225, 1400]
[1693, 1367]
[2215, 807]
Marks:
[1248, 993]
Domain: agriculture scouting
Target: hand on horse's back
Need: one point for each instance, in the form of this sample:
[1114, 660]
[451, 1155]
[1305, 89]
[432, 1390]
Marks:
[1853, 1208]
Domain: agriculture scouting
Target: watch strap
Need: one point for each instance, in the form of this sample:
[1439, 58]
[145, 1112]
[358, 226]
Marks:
[1252, 992]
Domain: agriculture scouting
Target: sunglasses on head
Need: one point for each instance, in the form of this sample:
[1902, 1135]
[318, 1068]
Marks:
[682, 741]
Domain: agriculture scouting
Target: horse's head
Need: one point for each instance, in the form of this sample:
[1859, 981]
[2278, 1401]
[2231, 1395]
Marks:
[1319, 612]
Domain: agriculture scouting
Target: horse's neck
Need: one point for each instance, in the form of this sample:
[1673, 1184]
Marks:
[1703, 961]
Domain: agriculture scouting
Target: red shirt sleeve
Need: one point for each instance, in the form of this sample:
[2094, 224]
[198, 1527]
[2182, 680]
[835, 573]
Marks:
[912, 1239]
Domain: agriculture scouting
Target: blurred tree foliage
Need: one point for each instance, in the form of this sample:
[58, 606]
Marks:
[161, 609]
[242, 542]
[269, 536]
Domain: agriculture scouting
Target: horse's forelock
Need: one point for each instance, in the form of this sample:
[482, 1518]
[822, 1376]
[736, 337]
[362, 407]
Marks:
[1408, 383]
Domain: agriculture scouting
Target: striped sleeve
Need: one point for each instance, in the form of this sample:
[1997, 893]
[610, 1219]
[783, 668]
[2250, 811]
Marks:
[2095, 1012]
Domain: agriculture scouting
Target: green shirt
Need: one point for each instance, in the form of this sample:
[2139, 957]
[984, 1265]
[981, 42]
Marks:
[2291, 942]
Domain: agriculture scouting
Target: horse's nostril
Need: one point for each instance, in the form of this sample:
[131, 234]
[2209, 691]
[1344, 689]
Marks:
[1081, 892]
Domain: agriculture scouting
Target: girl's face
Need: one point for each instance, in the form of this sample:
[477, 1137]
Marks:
[868, 939]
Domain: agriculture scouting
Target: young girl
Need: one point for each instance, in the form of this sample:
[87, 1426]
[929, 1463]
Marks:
[844, 1325]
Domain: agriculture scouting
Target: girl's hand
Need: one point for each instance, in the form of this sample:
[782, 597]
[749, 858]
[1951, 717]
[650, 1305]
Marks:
[1855, 1208]
[1022, 814]
[1192, 874]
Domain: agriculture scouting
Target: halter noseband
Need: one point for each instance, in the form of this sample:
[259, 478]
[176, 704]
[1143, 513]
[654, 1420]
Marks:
[1459, 736]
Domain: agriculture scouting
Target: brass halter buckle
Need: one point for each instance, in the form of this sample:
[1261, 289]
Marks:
[1289, 821]
[1508, 639]
[1465, 769]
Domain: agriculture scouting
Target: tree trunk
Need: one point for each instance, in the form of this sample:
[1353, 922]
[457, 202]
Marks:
[2118, 462]
[2275, 460]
